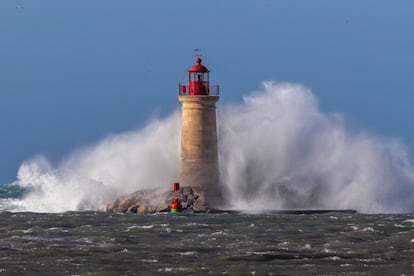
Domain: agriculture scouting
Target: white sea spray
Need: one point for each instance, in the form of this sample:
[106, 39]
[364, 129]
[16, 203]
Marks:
[277, 150]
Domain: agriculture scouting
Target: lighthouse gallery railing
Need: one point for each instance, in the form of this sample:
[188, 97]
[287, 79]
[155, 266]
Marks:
[214, 90]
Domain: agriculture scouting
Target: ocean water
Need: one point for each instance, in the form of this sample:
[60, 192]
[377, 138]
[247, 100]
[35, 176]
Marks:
[96, 243]
[309, 243]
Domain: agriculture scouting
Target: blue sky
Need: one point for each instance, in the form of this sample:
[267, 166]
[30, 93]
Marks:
[72, 72]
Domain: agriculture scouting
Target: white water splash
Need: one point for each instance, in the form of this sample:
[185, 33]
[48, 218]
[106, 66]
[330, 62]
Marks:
[277, 151]
[92, 177]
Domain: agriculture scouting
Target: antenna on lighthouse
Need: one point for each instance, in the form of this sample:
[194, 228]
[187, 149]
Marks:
[197, 53]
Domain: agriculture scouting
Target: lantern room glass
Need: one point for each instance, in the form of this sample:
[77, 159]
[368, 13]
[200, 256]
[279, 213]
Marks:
[199, 76]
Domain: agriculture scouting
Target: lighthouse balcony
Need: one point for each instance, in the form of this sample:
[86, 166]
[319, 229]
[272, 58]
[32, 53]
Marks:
[203, 90]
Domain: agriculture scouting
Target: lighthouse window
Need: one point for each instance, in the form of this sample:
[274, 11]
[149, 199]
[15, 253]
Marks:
[198, 76]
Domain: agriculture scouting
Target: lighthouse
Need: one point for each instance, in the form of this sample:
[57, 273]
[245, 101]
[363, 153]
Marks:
[199, 154]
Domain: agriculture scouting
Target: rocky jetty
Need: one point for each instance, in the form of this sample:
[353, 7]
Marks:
[191, 200]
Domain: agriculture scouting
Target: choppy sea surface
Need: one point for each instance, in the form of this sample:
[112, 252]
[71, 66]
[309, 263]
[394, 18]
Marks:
[97, 243]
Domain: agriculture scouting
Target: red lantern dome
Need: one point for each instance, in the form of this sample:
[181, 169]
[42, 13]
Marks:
[198, 68]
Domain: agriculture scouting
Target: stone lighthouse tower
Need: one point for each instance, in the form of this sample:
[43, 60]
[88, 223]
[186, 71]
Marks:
[199, 156]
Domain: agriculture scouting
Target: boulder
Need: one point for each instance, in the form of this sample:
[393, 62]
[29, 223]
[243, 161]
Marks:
[132, 209]
[187, 191]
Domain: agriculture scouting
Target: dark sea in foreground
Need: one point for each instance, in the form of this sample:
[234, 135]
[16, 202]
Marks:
[94, 243]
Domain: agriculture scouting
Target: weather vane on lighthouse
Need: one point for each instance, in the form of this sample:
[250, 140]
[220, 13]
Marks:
[197, 53]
